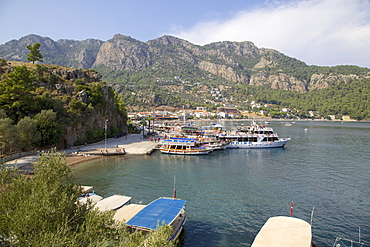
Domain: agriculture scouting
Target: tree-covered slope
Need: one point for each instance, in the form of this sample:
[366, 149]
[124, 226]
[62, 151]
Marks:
[48, 105]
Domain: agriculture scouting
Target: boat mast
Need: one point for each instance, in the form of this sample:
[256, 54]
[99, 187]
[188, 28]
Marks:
[291, 209]
[359, 234]
[313, 209]
[174, 186]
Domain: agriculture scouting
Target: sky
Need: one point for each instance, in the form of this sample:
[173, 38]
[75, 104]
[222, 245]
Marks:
[317, 32]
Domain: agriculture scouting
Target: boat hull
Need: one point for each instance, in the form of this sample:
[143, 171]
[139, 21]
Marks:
[184, 152]
[254, 145]
[178, 229]
[281, 231]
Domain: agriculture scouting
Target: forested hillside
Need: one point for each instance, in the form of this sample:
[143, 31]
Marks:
[51, 106]
[169, 71]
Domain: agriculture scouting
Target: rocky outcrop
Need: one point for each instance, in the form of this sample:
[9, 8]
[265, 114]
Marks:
[279, 81]
[223, 71]
[95, 120]
[74, 74]
[81, 122]
[123, 53]
[320, 81]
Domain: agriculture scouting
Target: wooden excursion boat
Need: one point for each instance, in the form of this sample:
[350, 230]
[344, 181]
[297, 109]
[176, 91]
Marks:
[170, 211]
[184, 146]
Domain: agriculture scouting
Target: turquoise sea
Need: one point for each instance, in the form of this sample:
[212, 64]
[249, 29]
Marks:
[231, 193]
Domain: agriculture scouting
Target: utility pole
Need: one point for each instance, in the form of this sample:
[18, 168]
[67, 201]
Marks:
[105, 135]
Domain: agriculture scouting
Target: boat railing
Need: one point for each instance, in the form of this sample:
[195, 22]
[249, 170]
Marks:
[342, 242]
[179, 142]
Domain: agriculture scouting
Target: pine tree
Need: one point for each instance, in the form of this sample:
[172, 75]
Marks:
[35, 54]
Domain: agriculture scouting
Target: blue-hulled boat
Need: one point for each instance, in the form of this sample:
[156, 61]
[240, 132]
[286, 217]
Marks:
[170, 211]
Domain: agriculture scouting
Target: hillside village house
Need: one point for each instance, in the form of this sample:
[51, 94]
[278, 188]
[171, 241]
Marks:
[201, 112]
[227, 112]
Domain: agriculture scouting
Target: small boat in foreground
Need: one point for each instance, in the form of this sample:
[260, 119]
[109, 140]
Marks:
[112, 203]
[170, 211]
[342, 242]
[88, 195]
[284, 231]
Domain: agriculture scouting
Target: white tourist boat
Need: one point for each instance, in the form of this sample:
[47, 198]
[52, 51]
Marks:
[284, 231]
[253, 136]
[184, 146]
[170, 211]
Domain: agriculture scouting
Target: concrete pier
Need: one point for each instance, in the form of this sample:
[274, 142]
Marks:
[130, 144]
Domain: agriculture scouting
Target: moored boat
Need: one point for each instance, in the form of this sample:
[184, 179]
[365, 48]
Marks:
[185, 146]
[342, 242]
[170, 211]
[253, 136]
[88, 196]
[112, 203]
[284, 231]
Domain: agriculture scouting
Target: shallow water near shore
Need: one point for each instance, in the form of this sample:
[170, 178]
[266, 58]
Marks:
[231, 193]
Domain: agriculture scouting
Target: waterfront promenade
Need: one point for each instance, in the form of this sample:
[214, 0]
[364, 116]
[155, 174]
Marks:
[130, 144]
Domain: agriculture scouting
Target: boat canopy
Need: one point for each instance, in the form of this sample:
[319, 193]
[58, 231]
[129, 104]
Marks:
[282, 231]
[183, 138]
[182, 142]
[160, 210]
[112, 203]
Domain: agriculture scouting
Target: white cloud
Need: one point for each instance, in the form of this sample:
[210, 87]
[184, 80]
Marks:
[320, 32]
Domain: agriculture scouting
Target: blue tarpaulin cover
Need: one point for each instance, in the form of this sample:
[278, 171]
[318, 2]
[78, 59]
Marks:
[158, 211]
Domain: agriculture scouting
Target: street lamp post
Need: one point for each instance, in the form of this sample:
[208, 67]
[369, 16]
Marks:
[105, 135]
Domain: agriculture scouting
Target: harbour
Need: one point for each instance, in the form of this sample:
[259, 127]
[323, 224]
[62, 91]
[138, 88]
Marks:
[231, 193]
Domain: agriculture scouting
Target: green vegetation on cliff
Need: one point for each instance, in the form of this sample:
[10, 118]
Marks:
[46, 106]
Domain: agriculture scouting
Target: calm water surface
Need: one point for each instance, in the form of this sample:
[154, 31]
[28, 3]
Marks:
[231, 193]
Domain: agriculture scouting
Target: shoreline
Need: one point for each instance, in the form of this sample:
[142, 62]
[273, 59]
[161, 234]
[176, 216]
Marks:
[74, 160]
[130, 144]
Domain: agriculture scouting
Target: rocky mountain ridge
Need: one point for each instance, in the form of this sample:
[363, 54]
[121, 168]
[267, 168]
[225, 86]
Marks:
[165, 57]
